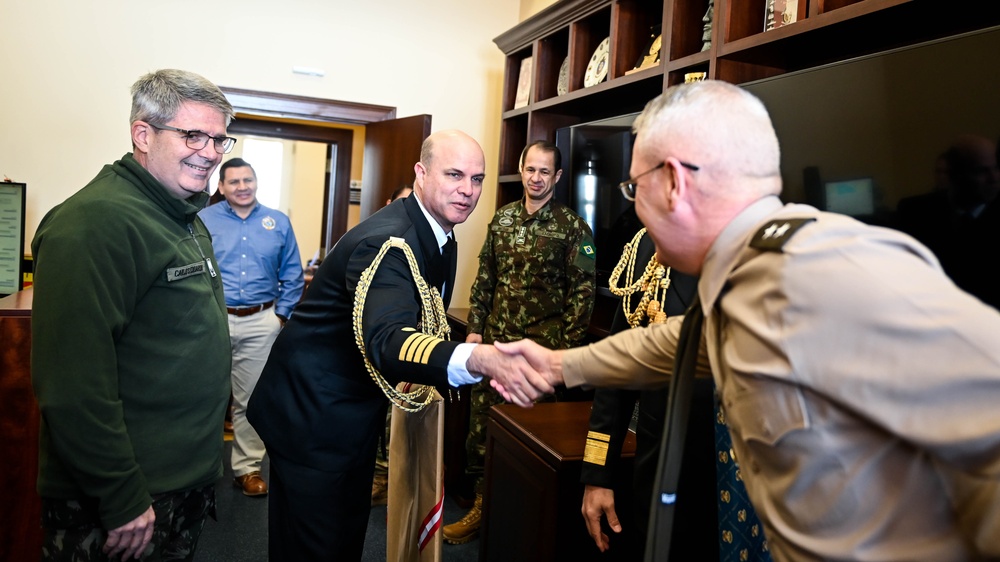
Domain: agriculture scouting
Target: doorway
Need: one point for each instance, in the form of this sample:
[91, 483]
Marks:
[303, 118]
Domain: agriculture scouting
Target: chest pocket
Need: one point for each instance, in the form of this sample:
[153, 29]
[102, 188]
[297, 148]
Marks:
[548, 256]
[767, 413]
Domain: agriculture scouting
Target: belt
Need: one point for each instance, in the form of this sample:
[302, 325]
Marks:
[248, 310]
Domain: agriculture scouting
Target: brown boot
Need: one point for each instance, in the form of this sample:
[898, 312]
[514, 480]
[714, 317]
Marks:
[467, 528]
[380, 489]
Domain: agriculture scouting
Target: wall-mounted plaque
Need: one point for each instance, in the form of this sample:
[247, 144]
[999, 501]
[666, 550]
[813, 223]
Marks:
[523, 96]
[12, 203]
[779, 13]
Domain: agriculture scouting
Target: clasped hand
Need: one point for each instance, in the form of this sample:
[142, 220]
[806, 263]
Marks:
[521, 371]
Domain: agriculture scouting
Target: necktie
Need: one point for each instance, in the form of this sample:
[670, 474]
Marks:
[448, 249]
[441, 266]
[741, 537]
[661, 521]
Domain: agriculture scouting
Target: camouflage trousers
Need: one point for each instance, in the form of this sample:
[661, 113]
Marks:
[72, 529]
[482, 397]
[382, 451]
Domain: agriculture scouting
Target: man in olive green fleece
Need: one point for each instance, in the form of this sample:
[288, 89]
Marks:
[130, 342]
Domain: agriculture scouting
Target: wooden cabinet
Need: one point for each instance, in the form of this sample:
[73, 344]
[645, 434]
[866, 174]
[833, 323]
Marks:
[21, 508]
[740, 51]
[532, 491]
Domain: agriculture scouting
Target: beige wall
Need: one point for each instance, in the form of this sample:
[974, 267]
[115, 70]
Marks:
[305, 189]
[532, 7]
[67, 68]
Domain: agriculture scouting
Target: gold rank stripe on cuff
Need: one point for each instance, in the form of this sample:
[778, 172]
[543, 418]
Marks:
[417, 348]
[596, 451]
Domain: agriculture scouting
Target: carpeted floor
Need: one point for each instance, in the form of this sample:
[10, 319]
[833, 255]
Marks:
[240, 534]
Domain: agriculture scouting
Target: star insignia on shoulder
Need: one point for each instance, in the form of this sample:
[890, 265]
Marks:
[774, 234]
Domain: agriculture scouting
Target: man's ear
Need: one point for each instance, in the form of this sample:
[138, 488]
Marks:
[141, 131]
[678, 182]
[419, 171]
[558, 175]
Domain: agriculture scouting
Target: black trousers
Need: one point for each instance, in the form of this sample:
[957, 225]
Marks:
[315, 514]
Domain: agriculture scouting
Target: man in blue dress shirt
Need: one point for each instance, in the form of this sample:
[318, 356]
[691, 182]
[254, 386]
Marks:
[262, 279]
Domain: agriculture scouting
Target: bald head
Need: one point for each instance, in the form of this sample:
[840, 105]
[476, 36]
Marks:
[449, 176]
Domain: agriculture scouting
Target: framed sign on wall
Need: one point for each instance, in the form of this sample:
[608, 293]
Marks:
[12, 201]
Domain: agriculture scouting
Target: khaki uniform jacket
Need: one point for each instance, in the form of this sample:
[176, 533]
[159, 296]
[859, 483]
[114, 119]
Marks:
[860, 387]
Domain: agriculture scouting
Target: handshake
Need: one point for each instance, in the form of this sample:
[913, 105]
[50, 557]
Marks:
[520, 371]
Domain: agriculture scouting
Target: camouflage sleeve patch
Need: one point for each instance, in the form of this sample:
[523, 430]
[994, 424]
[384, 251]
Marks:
[585, 258]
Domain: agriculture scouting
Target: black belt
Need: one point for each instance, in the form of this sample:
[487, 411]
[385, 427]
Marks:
[248, 310]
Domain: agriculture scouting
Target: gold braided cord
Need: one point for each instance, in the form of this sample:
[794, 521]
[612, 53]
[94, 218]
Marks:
[433, 322]
[654, 282]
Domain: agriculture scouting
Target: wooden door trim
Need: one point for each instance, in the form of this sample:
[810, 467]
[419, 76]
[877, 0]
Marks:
[270, 104]
[304, 118]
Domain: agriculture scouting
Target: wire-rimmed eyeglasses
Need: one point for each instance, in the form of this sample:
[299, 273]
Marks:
[628, 186]
[198, 140]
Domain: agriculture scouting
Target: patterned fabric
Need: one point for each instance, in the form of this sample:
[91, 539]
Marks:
[536, 277]
[536, 281]
[741, 536]
[72, 530]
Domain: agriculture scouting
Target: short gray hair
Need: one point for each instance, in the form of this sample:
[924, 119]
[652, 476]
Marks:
[158, 96]
[721, 125]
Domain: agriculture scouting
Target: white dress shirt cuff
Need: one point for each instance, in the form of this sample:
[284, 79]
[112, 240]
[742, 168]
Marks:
[458, 374]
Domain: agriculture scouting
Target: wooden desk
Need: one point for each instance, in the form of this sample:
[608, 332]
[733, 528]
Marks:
[21, 508]
[532, 493]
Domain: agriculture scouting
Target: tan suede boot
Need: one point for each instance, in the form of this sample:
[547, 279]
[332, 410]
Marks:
[466, 528]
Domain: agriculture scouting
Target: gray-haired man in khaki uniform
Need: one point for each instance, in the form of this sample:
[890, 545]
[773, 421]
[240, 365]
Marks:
[859, 384]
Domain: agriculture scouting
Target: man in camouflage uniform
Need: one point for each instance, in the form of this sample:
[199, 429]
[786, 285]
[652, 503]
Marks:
[535, 281]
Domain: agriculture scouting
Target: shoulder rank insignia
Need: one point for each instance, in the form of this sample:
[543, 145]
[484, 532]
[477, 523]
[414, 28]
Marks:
[772, 236]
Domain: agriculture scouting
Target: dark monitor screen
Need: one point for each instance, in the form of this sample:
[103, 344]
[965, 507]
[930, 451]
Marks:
[885, 118]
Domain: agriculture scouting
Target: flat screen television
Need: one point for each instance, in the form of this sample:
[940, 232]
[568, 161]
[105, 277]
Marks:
[856, 136]
[860, 135]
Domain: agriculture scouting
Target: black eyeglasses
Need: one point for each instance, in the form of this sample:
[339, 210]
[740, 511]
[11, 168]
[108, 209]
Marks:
[628, 186]
[198, 140]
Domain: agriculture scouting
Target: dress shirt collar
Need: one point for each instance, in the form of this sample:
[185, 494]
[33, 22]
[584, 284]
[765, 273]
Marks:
[232, 211]
[728, 247]
[439, 234]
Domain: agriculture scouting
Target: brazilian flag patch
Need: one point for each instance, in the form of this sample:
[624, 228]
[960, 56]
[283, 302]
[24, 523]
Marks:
[588, 251]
